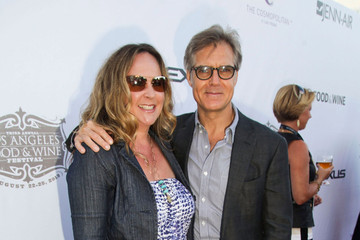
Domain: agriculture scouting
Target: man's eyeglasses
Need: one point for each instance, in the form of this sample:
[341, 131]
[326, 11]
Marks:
[299, 92]
[137, 83]
[205, 72]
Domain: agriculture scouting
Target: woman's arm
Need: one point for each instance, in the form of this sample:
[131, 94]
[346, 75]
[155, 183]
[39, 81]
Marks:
[299, 159]
[91, 193]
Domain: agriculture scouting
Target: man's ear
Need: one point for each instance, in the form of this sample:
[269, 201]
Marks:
[236, 77]
[188, 77]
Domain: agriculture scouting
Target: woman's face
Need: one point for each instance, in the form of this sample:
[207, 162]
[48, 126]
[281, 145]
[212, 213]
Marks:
[304, 117]
[147, 104]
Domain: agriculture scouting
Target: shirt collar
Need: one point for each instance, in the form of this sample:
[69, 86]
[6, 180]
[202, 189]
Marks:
[229, 132]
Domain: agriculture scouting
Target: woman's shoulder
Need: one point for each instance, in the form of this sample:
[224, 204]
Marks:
[298, 149]
[103, 157]
[290, 137]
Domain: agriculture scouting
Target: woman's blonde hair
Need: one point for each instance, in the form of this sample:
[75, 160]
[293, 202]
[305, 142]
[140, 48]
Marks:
[110, 100]
[291, 101]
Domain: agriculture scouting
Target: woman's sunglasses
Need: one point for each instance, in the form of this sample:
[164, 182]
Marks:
[300, 91]
[138, 83]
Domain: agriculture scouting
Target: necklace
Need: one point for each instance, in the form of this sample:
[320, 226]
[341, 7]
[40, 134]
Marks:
[150, 165]
[293, 131]
[153, 171]
[165, 190]
[284, 127]
[161, 183]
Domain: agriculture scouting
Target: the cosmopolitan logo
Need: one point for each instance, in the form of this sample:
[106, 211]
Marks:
[32, 151]
[324, 97]
[330, 13]
[268, 16]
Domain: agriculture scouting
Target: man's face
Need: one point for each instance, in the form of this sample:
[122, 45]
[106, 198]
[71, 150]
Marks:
[213, 94]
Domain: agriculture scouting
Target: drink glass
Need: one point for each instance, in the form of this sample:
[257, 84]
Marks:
[325, 161]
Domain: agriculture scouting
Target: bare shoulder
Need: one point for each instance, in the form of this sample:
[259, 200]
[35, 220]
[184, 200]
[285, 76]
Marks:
[298, 152]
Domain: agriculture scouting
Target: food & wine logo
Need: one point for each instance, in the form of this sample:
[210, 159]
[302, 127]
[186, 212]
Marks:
[32, 151]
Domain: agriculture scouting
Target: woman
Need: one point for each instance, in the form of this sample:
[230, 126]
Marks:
[136, 190]
[292, 106]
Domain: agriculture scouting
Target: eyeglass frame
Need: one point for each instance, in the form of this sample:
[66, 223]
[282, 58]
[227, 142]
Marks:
[212, 71]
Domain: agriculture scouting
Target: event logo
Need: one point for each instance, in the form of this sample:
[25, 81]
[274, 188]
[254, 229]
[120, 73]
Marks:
[32, 151]
[176, 74]
[324, 97]
[341, 173]
[269, 2]
[271, 126]
[330, 13]
[268, 17]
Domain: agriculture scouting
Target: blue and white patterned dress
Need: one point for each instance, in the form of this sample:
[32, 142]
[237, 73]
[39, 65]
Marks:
[174, 217]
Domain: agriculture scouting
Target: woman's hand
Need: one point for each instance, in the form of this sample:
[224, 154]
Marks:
[317, 200]
[323, 173]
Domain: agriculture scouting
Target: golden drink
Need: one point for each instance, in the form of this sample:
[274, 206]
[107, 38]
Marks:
[325, 164]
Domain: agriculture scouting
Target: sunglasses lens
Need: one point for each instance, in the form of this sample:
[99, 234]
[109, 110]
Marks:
[158, 83]
[301, 91]
[136, 83]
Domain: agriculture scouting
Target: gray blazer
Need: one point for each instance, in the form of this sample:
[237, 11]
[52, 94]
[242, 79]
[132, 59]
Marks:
[257, 201]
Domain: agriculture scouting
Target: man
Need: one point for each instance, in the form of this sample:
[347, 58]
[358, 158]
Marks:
[237, 168]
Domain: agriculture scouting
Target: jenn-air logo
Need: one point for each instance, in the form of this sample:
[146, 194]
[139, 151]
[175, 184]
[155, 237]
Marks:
[330, 13]
[32, 152]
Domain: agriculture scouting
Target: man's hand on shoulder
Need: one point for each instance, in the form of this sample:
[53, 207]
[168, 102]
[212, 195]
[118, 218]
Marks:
[92, 135]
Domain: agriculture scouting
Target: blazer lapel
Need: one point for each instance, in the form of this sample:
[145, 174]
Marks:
[182, 139]
[128, 156]
[241, 155]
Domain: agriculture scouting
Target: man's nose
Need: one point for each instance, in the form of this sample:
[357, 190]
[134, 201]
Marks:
[215, 79]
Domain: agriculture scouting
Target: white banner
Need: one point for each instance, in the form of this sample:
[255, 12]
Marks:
[51, 51]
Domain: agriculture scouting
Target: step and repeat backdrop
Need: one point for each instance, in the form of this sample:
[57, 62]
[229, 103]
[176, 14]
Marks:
[51, 51]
